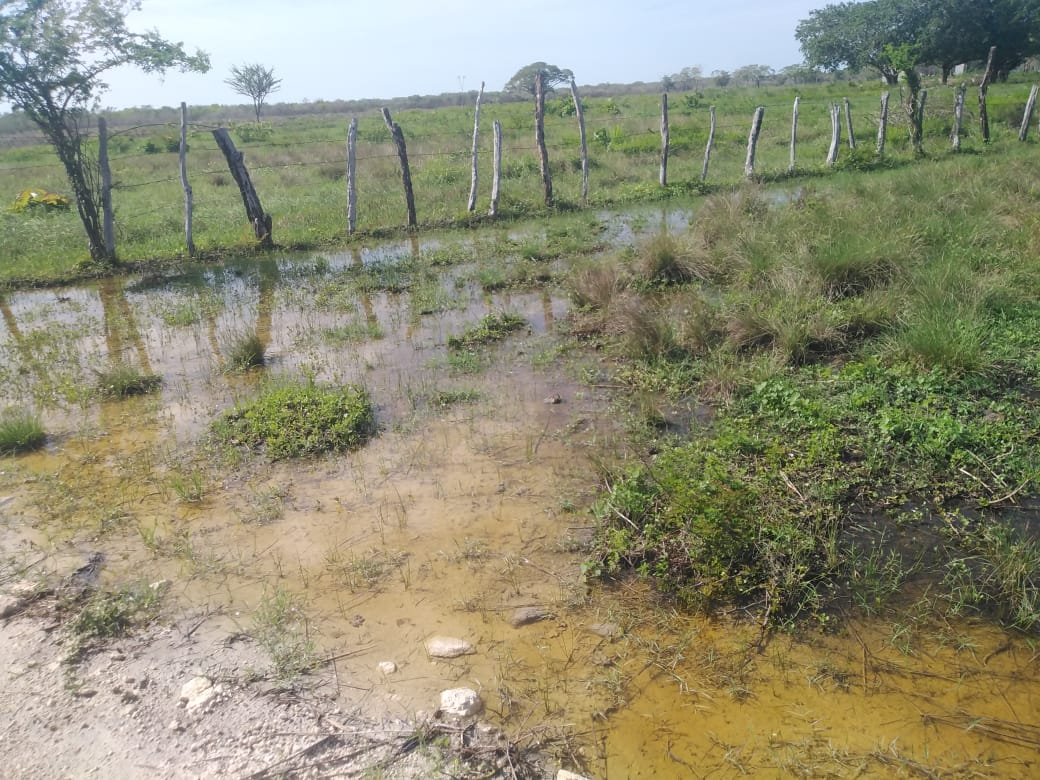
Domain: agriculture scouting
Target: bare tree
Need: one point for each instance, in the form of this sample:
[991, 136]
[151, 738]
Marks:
[255, 82]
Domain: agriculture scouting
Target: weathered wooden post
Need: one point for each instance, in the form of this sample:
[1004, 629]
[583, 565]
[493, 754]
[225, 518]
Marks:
[664, 140]
[832, 152]
[882, 129]
[580, 111]
[496, 174]
[752, 142]
[708, 145]
[259, 218]
[983, 89]
[352, 176]
[476, 140]
[108, 227]
[958, 117]
[402, 156]
[917, 123]
[1027, 115]
[539, 138]
[188, 197]
[848, 124]
[794, 133]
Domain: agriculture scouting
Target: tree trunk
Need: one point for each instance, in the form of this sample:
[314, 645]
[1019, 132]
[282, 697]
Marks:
[832, 152]
[260, 219]
[983, 88]
[352, 176]
[708, 145]
[958, 117]
[882, 130]
[496, 173]
[663, 178]
[188, 196]
[67, 144]
[539, 138]
[473, 155]
[1027, 115]
[406, 173]
[108, 221]
[580, 111]
[794, 133]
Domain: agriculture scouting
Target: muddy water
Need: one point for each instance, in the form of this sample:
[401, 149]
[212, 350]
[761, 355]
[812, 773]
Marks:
[445, 524]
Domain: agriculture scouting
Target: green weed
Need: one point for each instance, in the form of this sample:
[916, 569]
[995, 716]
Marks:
[493, 327]
[123, 380]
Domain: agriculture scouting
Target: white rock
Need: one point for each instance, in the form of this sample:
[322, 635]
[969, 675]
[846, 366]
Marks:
[566, 774]
[387, 667]
[198, 693]
[461, 702]
[605, 630]
[447, 647]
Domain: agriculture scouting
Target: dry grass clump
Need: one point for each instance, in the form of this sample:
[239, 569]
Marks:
[596, 286]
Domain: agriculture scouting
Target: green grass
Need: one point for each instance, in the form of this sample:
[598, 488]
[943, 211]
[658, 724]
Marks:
[493, 327]
[111, 614]
[290, 420]
[243, 351]
[20, 431]
[280, 627]
[123, 380]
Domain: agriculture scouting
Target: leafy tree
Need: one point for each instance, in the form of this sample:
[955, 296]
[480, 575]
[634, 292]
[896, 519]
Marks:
[753, 75]
[667, 83]
[722, 77]
[522, 82]
[53, 55]
[964, 30]
[255, 82]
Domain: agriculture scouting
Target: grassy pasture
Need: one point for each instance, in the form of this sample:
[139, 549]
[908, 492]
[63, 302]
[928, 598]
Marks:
[298, 166]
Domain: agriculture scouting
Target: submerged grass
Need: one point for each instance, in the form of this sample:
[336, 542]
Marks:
[123, 380]
[493, 327]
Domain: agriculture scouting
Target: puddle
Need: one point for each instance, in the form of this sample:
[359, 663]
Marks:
[451, 519]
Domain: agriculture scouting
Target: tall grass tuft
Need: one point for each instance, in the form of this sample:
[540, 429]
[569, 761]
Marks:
[20, 431]
[243, 351]
[123, 380]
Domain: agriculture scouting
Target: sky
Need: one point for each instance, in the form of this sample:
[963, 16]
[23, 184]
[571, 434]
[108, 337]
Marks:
[351, 49]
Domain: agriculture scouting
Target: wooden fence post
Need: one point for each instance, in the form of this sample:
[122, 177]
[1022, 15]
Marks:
[1027, 115]
[580, 111]
[539, 138]
[260, 219]
[402, 156]
[707, 146]
[188, 197]
[832, 153]
[663, 178]
[476, 139]
[794, 133]
[917, 123]
[352, 176]
[882, 129]
[752, 142]
[848, 124]
[958, 117]
[983, 88]
[108, 228]
[496, 175]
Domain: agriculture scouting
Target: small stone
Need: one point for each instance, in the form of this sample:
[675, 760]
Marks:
[554, 399]
[461, 702]
[198, 692]
[11, 605]
[605, 630]
[85, 693]
[159, 585]
[387, 667]
[447, 647]
[526, 615]
[566, 774]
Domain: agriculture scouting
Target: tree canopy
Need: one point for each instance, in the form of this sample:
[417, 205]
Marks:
[522, 81]
[53, 56]
[936, 32]
[255, 82]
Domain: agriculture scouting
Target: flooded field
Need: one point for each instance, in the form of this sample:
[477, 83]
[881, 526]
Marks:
[469, 505]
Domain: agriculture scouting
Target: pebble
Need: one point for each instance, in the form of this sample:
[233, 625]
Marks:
[566, 774]
[461, 702]
[447, 647]
[387, 667]
[526, 615]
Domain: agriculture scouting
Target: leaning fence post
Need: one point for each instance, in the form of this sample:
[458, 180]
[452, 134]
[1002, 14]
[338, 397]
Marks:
[108, 228]
[580, 111]
[496, 170]
[848, 124]
[664, 140]
[832, 153]
[260, 219]
[752, 142]
[402, 156]
[188, 198]
[539, 138]
[983, 88]
[476, 139]
[352, 176]
[882, 129]
[1027, 115]
[708, 145]
[958, 117]
[794, 133]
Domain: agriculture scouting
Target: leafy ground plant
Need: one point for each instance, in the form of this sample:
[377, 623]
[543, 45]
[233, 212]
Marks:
[292, 419]
[112, 614]
[493, 327]
[280, 627]
[123, 380]
[20, 431]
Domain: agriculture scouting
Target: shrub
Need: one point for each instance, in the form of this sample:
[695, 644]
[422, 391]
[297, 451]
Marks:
[291, 420]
